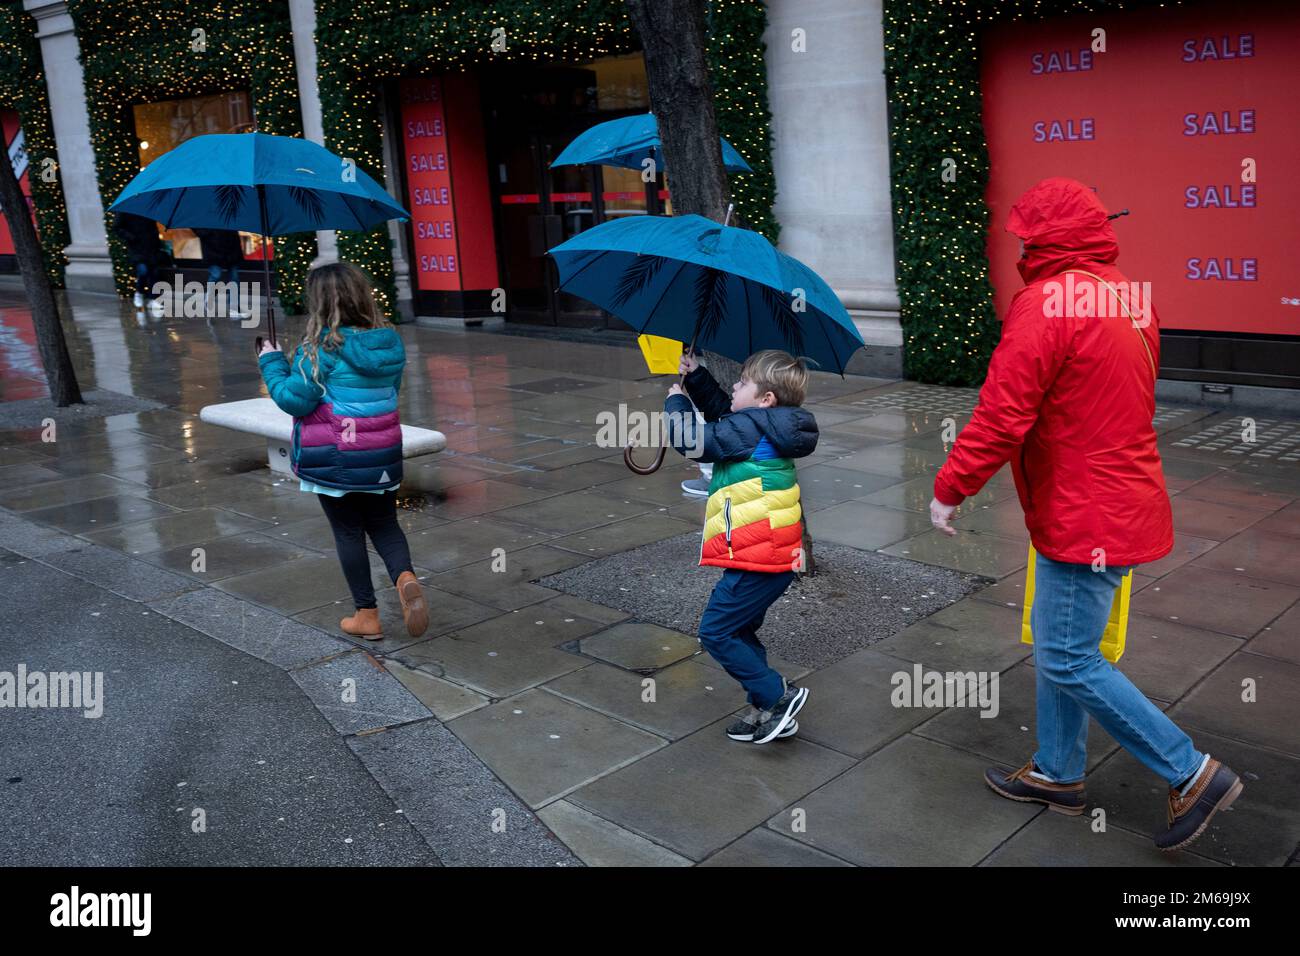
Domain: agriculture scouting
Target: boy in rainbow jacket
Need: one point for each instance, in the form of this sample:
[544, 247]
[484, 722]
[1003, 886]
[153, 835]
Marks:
[753, 523]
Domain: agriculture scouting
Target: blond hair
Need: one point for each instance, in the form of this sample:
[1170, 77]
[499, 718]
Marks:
[336, 295]
[777, 372]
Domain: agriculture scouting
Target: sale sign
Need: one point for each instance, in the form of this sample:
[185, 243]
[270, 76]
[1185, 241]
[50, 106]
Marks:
[429, 188]
[1185, 117]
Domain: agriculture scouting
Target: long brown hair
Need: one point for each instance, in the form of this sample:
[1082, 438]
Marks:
[337, 294]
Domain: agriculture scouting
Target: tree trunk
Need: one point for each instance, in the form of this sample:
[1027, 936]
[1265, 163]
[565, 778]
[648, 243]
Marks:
[60, 377]
[673, 39]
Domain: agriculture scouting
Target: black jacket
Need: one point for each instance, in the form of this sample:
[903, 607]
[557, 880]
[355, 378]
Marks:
[140, 236]
[734, 436]
[221, 247]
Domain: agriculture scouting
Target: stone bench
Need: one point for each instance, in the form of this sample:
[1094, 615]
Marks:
[261, 416]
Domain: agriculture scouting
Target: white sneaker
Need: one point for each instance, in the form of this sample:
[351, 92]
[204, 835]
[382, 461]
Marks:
[696, 487]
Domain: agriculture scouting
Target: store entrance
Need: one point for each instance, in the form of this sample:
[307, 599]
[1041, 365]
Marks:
[532, 115]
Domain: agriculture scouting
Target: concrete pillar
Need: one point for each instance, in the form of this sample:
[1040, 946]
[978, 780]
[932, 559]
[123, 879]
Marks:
[302, 20]
[830, 152]
[89, 265]
[392, 155]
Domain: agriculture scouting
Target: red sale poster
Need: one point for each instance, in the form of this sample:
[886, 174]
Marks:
[428, 178]
[13, 140]
[1187, 119]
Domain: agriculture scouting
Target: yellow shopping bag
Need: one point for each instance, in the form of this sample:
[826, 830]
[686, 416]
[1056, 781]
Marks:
[1112, 639]
[662, 355]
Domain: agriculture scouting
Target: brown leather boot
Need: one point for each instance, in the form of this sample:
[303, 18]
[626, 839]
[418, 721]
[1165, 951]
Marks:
[414, 610]
[365, 623]
[1067, 798]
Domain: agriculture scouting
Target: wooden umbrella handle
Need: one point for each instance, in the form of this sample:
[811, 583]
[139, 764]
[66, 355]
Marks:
[644, 469]
[659, 458]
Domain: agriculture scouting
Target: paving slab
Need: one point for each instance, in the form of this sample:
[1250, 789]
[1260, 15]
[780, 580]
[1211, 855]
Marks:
[764, 847]
[173, 530]
[490, 662]
[356, 694]
[1261, 828]
[676, 701]
[460, 807]
[545, 747]
[1053, 839]
[1225, 601]
[914, 803]
[255, 630]
[639, 646]
[598, 842]
[445, 700]
[703, 792]
[1249, 698]
[974, 552]
[447, 612]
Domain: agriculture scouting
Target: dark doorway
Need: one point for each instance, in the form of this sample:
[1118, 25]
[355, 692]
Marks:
[532, 114]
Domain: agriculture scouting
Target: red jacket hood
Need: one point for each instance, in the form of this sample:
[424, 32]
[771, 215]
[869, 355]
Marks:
[1062, 223]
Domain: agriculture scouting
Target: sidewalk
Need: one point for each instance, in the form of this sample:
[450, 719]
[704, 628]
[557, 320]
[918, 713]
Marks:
[526, 700]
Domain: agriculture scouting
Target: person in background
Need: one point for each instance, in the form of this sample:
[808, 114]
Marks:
[341, 387]
[144, 249]
[225, 253]
[1069, 401]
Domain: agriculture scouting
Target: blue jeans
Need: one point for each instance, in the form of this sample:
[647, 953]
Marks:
[216, 274]
[729, 630]
[1071, 606]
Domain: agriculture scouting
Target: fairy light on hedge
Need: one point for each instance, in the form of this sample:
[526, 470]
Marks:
[141, 52]
[363, 42]
[23, 89]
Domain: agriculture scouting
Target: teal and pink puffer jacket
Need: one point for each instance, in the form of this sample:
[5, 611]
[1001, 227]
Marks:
[346, 433]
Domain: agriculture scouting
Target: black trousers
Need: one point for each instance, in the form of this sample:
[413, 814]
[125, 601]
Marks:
[354, 516]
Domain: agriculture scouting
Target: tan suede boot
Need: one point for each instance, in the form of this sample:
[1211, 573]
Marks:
[365, 623]
[414, 610]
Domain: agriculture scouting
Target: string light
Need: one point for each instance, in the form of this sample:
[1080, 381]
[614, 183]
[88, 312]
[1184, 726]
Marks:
[139, 51]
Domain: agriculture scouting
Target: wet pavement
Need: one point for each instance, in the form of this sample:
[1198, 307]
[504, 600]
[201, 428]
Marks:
[517, 729]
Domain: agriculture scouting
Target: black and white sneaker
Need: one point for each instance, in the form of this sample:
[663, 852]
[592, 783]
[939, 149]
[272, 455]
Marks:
[743, 728]
[772, 722]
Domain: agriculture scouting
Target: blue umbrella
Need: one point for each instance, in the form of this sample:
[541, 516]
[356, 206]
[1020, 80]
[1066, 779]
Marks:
[255, 182]
[723, 289]
[628, 142]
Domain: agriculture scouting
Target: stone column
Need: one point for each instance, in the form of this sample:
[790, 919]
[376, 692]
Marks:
[830, 152]
[302, 20]
[392, 155]
[89, 266]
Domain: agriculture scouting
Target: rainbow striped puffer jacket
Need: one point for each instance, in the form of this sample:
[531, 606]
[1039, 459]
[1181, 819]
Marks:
[753, 520]
[346, 432]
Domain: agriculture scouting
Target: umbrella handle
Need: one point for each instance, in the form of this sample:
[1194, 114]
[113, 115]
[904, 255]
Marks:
[644, 469]
[663, 450]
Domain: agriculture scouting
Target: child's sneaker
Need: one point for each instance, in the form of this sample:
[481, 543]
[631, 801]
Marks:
[743, 728]
[696, 487]
[772, 722]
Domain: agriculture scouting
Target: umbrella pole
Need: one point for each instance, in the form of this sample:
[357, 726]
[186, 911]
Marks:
[266, 266]
[654, 466]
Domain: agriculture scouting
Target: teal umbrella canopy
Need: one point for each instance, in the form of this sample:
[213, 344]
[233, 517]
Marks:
[628, 142]
[256, 182]
[726, 289]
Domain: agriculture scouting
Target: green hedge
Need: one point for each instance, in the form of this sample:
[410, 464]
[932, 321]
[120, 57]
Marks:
[140, 51]
[22, 88]
[941, 228]
[360, 43]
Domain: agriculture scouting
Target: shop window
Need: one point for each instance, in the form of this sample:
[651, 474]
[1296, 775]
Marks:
[162, 126]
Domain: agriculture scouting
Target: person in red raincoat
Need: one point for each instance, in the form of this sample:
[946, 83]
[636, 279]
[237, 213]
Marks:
[1068, 401]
